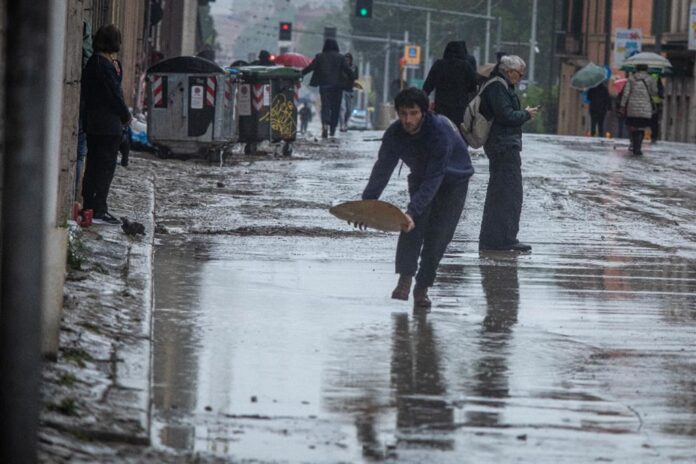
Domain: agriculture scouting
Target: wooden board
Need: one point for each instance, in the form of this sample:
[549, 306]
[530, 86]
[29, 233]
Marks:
[375, 214]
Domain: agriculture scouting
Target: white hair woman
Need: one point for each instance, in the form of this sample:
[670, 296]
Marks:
[503, 207]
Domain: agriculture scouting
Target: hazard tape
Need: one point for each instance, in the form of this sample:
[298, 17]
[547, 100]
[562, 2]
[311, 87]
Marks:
[210, 92]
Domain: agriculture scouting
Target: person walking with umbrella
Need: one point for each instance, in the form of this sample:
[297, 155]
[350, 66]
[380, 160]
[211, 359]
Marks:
[599, 105]
[329, 69]
[637, 105]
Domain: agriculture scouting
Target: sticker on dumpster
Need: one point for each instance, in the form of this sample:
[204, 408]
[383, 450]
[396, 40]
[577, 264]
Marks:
[197, 96]
[244, 100]
[267, 95]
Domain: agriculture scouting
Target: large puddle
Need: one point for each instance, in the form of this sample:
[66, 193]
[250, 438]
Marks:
[290, 350]
[276, 340]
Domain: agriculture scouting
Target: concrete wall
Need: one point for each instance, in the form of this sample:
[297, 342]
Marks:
[177, 31]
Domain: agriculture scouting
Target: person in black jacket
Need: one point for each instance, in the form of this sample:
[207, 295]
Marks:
[453, 78]
[599, 105]
[503, 206]
[329, 68]
[440, 168]
[348, 93]
[104, 115]
[264, 59]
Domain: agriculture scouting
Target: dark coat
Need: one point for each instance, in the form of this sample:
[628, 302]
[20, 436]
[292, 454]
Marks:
[436, 151]
[453, 78]
[501, 103]
[329, 66]
[103, 108]
[348, 79]
[599, 99]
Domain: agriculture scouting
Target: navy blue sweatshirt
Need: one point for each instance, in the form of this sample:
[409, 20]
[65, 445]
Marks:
[437, 151]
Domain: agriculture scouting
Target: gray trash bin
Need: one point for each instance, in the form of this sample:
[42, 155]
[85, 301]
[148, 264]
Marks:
[191, 106]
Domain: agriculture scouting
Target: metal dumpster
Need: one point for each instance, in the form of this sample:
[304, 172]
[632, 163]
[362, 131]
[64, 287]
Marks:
[191, 106]
[267, 106]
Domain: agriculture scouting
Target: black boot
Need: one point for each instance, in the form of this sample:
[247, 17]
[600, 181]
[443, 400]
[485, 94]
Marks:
[638, 142]
[403, 287]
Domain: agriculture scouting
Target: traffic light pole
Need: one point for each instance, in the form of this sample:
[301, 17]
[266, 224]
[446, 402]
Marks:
[487, 17]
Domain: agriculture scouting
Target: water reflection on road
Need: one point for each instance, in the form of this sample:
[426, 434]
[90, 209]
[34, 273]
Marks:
[286, 348]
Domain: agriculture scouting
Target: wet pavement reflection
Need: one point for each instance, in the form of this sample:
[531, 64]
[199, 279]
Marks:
[280, 344]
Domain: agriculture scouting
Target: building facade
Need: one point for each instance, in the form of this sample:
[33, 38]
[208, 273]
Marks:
[586, 34]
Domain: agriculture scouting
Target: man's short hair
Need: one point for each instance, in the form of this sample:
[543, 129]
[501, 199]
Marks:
[410, 97]
[107, 39]
[512, 63]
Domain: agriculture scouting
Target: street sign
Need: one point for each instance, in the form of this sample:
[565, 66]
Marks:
[412, 54]
[627, 42]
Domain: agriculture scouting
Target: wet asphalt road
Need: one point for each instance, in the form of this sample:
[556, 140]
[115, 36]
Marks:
[276, 340]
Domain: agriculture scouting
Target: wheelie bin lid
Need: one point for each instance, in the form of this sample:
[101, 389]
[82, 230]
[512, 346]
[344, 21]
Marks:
[186, 65]
[269, 72]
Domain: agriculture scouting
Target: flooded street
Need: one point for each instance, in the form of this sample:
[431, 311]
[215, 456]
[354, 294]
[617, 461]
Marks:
[276, 339]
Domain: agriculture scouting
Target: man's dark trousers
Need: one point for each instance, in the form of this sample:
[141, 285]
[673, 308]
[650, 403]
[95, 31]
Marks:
[597, 124]
[331, 96]
[102, 153]
[434, 230]
[503, 206]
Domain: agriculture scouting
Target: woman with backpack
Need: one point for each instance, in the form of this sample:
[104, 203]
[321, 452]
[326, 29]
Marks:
[637, 105]
[503, 206]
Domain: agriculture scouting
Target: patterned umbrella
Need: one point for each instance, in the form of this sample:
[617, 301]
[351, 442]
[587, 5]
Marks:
[590, 76]
[293, 60]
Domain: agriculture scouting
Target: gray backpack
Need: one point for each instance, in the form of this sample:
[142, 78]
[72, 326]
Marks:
[475, 127]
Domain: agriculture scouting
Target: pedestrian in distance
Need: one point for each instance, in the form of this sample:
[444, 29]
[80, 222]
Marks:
[657, 108]
[599, 105]
[330, 71]
[637, 105]
[264, 59]
[440, 168]
[105, 114]
[453, 78]
[503, 205]
[305, 114]
[348, 93]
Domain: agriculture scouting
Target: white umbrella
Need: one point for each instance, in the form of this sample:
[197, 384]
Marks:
[651, 60]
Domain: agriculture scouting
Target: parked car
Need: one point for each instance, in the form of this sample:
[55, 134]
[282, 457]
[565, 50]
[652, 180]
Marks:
[359, 120]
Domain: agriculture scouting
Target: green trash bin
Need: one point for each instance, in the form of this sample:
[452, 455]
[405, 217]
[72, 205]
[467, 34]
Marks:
[267, 106]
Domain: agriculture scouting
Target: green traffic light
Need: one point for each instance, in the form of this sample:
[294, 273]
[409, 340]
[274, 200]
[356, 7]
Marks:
[363, 11]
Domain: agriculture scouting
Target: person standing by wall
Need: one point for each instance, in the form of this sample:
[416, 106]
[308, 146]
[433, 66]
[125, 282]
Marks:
[330, 69]
[599, 105]
[453, 78]
[503, 205]
[348, 93]
[637, 105]
[431, 146]
[105, 113]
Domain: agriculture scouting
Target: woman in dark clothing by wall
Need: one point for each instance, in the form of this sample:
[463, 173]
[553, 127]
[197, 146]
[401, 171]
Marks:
[329, 69]
[104, 114]
[503, 206]
[453, 78]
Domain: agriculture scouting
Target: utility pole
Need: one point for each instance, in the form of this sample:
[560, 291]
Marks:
[385, 91]
[487, 51]
[426, 61]
[32, 138]
[533, 43]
